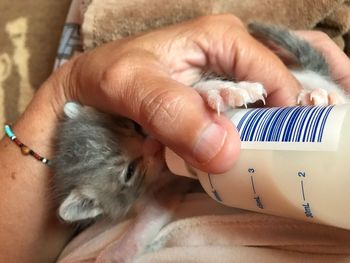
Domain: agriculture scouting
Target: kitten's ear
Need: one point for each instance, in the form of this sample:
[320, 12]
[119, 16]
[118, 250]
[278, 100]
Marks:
[79, 206]
[72, 109]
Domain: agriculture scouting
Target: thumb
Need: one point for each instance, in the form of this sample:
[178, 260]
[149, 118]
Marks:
[137, 87]
[177, 116]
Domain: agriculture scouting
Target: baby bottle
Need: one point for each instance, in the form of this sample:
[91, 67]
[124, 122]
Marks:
[294, 162]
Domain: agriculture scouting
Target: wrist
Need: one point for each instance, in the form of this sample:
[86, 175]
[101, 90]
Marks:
[37, 125]
[26, 183]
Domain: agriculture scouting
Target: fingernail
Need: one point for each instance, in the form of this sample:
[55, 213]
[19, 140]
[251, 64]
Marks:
[209, 143]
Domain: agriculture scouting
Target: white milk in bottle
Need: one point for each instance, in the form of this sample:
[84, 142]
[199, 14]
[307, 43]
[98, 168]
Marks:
[294, 162]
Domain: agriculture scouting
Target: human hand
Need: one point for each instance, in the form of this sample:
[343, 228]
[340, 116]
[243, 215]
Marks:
[145, 78]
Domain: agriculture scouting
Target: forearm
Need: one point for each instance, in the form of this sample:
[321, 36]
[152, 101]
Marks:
[29, 228]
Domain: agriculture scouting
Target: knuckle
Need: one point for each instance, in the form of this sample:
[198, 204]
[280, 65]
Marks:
[118, 76]
[121, 67]
[232, 19]
[321, 36]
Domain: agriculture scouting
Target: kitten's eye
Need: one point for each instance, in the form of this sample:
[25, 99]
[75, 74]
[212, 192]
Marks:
[130, 172]
[139, 129]
[131, 169]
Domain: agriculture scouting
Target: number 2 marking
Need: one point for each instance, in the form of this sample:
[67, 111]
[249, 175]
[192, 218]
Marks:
[301, 174]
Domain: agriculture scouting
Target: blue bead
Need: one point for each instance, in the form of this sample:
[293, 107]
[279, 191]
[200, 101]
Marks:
[8, 131]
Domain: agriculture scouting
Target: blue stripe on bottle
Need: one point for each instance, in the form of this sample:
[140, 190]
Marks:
[281, 119]
[319, 139]
[302, 125]
[288, 124]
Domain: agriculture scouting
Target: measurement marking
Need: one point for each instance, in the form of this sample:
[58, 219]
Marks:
[259, 202]
[302, 189]
[256, 197]
[306, 206]
[252, 180]
[215, 193]
[307, 210]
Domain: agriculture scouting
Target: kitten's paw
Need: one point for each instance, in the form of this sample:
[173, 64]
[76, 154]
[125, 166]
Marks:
[320, 97]
[221, 95]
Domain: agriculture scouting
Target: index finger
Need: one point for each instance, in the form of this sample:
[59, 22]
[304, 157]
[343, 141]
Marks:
[234, 51]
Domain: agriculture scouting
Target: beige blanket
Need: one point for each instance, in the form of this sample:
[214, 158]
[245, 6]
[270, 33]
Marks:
[113, 19]
[205, 231]
[29, 36]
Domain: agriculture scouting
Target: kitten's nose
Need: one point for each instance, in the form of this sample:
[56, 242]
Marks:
[151, 147]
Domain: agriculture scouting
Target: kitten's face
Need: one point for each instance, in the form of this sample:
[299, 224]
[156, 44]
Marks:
[139, 164]
[108, 163]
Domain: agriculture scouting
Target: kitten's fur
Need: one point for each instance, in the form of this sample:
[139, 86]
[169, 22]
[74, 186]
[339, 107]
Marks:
[94, 150]
[100, 165]
[310, 67]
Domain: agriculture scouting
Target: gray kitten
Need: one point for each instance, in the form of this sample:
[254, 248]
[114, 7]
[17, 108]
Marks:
[103, 164]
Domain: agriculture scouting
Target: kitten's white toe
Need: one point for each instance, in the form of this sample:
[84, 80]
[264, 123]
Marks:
[221, 95]
[320, 97]
[242, 93]
[235, 98]
[214, 100]
[303, 98]
[319, 90]
[257, 92]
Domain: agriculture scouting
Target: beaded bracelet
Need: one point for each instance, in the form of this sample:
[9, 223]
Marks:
[24, 148]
